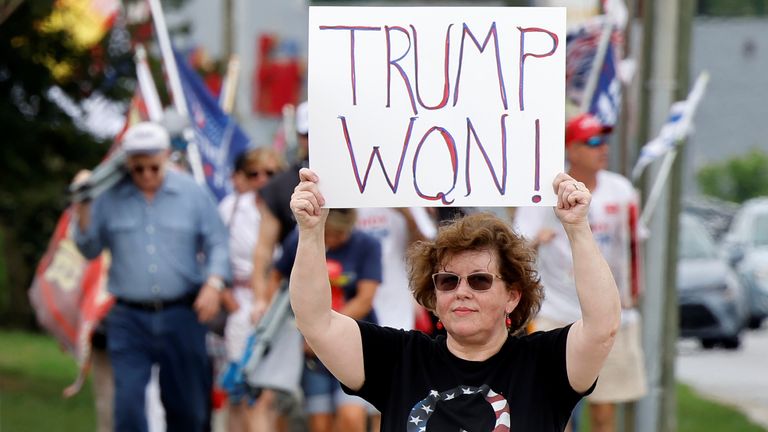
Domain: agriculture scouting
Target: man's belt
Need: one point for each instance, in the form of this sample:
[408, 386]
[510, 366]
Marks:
[159, 304]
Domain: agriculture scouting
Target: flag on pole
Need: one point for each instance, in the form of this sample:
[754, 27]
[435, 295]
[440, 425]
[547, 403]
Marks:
[606, 100]
[69, 296]
[581, 51]
[677, 127]
[218, 136]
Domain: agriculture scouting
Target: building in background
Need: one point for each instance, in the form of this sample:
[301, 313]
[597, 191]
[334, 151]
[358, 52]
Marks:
[270, 39]
[731, 118]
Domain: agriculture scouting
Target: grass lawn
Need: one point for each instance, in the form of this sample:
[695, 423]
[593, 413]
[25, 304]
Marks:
[33, 372]
[696, 414]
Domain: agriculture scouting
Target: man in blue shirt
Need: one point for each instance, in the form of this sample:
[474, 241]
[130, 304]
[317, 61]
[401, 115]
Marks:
[169, 260]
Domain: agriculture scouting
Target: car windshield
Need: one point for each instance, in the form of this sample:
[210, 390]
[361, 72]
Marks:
[695, 241]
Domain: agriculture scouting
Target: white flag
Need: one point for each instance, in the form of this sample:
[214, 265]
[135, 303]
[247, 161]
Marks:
[676, 128]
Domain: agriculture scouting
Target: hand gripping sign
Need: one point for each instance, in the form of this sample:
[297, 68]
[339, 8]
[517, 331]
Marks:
[434, 106]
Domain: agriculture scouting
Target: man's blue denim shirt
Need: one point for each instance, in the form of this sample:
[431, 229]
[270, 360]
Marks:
[160, 250]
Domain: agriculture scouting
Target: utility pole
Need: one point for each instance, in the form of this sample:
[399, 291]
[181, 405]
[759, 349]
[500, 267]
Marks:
[228, 29]
[665, 70]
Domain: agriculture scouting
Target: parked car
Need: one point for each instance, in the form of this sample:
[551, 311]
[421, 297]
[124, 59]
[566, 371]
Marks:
[712, 301]
[716, 215]
[746, 246]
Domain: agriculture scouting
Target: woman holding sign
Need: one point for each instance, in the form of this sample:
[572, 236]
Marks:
[478, 277]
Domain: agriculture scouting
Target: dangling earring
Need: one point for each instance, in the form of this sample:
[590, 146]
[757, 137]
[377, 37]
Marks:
[439, 325]
[508, 322]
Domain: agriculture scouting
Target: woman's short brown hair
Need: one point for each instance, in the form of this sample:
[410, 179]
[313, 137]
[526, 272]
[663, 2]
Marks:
[256, 157]
[479, 231]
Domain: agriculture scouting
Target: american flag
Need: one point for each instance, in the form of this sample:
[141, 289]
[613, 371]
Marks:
[218, 136]
[581, 49]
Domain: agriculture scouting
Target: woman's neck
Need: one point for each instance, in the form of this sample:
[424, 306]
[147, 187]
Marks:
[483, 349]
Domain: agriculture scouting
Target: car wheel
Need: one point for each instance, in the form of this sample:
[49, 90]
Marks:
[732, 342]
[708, 343]
[755, 322]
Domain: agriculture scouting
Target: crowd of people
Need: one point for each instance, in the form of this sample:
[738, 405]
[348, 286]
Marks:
[527, 312]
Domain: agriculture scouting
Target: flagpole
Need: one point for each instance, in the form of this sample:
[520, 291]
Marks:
[229, 89]
[147, 85]
[658, 186]
[597, 65]
[179, 101]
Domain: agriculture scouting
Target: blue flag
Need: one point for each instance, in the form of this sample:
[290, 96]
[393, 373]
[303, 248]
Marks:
[218, 136]
[581, 49]
[606, 101]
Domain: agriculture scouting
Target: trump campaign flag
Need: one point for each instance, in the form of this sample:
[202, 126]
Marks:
[218, 137]
[582, 48]
[606, 100]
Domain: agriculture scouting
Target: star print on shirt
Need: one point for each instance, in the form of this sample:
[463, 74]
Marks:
[498, 403]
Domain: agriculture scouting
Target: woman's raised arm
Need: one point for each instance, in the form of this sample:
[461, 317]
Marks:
[333, 337]
[591, 338]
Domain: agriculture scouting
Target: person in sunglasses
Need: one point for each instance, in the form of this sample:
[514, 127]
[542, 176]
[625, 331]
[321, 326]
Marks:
[169, 262]
[279, 374]
[478, 277]
[613, 219]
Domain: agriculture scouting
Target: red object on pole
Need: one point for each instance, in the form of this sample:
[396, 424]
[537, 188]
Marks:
[276, 79]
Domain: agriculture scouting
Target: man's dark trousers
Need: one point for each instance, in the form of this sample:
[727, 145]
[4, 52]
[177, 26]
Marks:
[174, 339]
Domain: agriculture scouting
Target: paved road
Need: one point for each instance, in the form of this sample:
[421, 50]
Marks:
[738, 378]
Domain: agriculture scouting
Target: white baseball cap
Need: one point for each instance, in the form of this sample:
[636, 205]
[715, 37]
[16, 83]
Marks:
[302, 118]
[145, 138]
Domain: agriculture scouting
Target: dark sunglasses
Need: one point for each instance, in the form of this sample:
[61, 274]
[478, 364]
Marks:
[139, 169]
[257, 174]
[595, 141]
[447, 281]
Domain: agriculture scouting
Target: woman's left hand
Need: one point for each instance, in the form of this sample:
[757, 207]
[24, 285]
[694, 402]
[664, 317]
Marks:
[573, 200]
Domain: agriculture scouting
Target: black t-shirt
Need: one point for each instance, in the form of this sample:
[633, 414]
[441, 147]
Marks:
[418, 385]
[277, 196]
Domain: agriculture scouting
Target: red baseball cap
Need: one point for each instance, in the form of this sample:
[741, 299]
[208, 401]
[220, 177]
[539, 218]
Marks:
[583, 127]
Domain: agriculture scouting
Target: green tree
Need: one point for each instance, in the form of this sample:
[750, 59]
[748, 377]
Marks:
[42, 147]
[737, 179]
[732, 8]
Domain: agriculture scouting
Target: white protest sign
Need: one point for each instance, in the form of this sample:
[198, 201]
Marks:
[433, 106]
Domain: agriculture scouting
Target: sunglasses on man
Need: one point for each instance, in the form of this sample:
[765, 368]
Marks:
[257, 174]
[595, 141]
[139, 168]
[478, 281]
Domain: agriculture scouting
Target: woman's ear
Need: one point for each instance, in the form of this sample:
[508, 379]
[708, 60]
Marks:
[514, 299]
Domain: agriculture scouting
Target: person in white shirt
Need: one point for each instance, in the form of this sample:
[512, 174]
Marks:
[280, 370]
[612, 217]
[396, 229]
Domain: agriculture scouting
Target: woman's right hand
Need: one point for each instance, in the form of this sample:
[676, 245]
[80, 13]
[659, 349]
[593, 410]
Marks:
[573, 199]
[307, 201]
